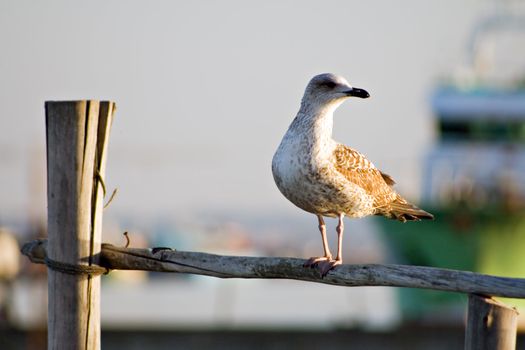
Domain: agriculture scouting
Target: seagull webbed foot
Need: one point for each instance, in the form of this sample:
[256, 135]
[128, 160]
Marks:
[326, 266]
[316, 260]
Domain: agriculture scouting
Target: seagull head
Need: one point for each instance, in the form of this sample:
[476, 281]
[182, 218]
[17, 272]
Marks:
[330, 90]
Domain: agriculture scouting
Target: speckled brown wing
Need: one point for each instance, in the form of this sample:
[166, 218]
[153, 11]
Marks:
[360, 171]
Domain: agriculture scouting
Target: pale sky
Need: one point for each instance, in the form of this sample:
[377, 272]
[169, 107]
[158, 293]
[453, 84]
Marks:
[206, 89]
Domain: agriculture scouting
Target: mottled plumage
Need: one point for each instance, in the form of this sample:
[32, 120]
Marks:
[327, 178]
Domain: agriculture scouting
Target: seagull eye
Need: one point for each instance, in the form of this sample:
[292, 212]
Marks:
[330, 84]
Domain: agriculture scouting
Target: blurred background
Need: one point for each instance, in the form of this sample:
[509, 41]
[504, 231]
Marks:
[205, 90]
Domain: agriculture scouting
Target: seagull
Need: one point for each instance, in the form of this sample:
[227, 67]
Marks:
[327, 178]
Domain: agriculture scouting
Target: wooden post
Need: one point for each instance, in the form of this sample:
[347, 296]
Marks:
[490, 324]
[77, 134]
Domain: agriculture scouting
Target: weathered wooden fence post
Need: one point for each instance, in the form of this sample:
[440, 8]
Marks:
[491, 325]
[77, 133]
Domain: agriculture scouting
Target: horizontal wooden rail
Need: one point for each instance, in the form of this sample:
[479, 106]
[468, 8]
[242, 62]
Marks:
[117, 258]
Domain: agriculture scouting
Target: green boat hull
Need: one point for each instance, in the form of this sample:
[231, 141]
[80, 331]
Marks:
[490, 241]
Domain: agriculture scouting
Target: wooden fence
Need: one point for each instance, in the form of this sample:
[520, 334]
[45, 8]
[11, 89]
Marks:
[77, 137]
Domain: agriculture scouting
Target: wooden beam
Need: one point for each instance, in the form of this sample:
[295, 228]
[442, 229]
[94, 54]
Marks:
[221, 266]
[76, 142]
[491, 325]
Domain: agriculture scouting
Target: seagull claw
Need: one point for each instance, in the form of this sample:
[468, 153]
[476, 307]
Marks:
[316, 260]
[327, 266]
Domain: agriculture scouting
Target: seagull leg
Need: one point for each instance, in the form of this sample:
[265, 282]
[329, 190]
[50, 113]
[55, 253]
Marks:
[328, 265]
[312, 262]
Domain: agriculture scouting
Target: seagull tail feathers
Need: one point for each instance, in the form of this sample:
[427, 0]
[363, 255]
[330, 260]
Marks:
[400, 209]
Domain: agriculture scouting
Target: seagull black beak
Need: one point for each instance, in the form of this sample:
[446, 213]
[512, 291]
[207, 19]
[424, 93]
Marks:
[357, 93]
